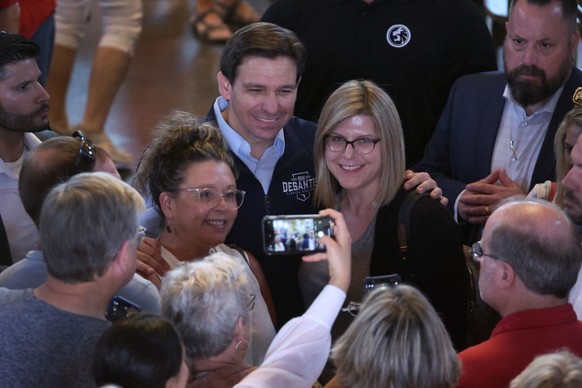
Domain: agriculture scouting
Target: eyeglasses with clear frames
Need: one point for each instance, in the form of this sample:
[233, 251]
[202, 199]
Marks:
[233, 198]
[362, 146]
[477, 252]
[140, 235]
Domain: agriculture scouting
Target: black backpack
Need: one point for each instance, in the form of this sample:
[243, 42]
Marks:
[481, 319]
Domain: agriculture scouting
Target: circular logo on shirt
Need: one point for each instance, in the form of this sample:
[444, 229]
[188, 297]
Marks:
[398, 35]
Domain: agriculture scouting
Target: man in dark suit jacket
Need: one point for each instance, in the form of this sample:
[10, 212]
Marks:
[474, 154]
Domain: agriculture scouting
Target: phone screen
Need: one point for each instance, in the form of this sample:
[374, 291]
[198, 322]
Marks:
[120, 308]
[295, 234]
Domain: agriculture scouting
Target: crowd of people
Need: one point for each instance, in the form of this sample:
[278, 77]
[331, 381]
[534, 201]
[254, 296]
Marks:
[168, 281]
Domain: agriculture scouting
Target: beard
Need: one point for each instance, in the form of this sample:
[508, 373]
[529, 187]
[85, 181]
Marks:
[23, 123]
[574, 209]
[530, 92]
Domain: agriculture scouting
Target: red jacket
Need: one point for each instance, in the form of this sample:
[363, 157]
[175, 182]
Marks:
[516, 341]
[32, 13]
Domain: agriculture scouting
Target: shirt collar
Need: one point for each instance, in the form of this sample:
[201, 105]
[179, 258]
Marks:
[548, 107]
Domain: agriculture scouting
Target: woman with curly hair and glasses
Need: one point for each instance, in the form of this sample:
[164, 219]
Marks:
[189, 174]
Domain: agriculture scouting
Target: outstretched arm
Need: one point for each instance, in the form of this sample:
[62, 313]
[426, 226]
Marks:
[298, 353]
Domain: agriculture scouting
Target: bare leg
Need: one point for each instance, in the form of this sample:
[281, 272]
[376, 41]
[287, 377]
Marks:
[61, 68]
[109, 69]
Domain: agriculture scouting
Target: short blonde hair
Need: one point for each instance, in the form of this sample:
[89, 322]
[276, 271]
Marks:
[397, 340]
[555, 370]
[361, 98]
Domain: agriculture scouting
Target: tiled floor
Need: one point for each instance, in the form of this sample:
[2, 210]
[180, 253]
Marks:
[171, 70]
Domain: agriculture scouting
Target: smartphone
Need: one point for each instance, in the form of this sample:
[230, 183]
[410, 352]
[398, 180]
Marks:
[120, 308]
[371, 282]
[295, 234]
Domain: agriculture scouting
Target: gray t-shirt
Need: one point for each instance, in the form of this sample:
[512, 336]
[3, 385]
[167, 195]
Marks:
[43, 346]
[31, 272]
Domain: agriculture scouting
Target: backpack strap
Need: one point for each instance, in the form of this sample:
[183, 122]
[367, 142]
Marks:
[404, 215]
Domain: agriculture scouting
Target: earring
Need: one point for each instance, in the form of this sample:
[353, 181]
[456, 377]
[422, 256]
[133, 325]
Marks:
[242, 346]
[168, 228]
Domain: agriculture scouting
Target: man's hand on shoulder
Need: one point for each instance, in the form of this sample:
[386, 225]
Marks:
[423, 183]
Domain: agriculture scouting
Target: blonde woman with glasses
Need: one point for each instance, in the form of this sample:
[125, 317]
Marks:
[359, 160]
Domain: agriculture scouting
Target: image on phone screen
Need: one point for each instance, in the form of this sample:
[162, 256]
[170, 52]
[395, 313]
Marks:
[295, 234]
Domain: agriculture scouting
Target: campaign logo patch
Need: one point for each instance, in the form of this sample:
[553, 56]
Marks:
[301, 185]
[398, 35]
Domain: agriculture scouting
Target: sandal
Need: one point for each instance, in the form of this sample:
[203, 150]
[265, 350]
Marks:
[237, 12]
[209, 32]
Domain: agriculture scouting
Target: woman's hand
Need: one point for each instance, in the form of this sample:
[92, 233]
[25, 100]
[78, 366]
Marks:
[338, 251]
[150, 263]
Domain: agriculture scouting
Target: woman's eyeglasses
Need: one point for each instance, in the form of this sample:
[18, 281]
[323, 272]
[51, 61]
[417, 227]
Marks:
[233, 198]
[86, 157]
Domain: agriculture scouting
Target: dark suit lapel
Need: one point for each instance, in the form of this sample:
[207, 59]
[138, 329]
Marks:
[489, 125]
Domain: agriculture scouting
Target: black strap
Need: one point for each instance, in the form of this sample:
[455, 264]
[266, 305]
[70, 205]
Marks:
[5, 256]
[404, 220]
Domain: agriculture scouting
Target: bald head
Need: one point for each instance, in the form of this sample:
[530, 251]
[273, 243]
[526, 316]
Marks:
[538, 240]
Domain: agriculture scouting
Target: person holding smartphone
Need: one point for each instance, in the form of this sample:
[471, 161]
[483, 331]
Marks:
[359, 158]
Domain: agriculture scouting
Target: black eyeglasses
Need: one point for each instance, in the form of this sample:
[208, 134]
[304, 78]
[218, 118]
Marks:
[362, 146]
[86, 158]
[477, 252]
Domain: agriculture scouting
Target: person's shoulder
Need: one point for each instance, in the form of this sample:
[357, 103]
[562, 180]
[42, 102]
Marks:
[300, 133]
[8, 296]
[26, 273]
[477, 353]
[298, 123]
[576, 75]
[483, 79]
